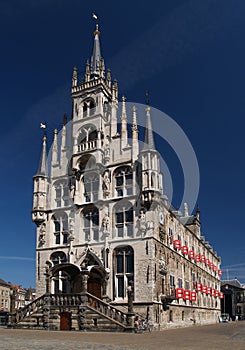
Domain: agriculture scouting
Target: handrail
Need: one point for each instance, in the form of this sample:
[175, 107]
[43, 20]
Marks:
[108, 311]
[91, 302]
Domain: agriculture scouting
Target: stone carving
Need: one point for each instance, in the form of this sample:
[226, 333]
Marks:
[142, 221]
[42, 233]
[106, 184]
[106, 223]
[162, 263]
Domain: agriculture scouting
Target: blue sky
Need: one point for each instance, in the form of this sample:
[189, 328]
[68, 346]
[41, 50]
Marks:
[189, 54]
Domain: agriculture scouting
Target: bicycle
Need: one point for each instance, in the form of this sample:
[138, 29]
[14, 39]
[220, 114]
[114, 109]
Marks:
[144, 325]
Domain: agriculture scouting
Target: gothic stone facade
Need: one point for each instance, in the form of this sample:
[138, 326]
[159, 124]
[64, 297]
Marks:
[100, 209]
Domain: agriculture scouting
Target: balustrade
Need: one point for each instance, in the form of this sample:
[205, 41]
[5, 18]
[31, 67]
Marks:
[87, 146]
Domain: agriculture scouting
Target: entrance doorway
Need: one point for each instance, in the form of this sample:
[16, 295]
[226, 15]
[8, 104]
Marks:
[65, 321]
[94, 286]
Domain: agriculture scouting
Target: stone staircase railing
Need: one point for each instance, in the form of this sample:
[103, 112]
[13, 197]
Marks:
[82, 303]
[108, 311]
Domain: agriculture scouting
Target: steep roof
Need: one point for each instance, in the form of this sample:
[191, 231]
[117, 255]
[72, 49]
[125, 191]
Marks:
[233, 283]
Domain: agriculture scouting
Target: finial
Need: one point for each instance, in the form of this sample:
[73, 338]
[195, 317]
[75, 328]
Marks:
[197, 212]
[186, 212]
[97, 32]
[74, 77]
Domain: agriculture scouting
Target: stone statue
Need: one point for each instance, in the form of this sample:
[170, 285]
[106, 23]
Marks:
[142, 222]
[161, 263]
[106, 183]
[106, 223]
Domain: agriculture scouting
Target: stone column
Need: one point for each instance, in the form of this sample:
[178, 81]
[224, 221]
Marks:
[82, 308]
[47, 280]
[12, 319]
[130, 313]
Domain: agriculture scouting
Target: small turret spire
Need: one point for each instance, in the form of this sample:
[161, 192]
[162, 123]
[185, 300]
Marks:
[74, 77]
[148, 136]
[55, 149]
[135, 141]
[124, 132]
[43, 169]
[63, 133]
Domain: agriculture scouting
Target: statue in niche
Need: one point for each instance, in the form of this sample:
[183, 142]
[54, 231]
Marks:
[42, 232]
[106, 183]
[106, 223]
[162, 263]
[142, 222]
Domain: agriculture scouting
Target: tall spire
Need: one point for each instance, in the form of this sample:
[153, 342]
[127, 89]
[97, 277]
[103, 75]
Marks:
[124, 131]
[43, 169]
[135, 141]
[54, 160]
[97, 62]
[149, 143]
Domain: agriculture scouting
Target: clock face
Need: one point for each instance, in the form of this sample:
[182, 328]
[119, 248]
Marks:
[161, 218]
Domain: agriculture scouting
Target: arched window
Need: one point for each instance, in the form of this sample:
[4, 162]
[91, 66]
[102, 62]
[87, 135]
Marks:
[60, 282]
[91, 108]
[124, 179]
[124, 270]
[59, 278]
[60, 223]
[62, 193]
[124, 218]
[87, 163]
[58, 258]
[91, 224]
[91, 187]
[85, 109]
[87, 138]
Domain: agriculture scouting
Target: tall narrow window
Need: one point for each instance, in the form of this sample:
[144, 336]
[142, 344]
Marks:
[124, 270]
[62, 194]
[91, 224]
[124, 218]
[91, 187]
[124, 181]
[61, 229]
[58, 195]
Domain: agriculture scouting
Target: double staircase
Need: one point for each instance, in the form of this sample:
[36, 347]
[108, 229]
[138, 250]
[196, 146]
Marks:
[83, 312]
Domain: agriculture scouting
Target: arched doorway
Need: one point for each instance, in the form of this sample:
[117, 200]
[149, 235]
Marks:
[95, 283]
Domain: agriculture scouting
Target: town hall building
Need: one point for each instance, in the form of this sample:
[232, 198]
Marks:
[109, 245]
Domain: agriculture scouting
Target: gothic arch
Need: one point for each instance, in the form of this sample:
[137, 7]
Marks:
[123, 262]
[87, 133]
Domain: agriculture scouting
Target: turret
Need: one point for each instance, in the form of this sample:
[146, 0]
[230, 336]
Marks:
[151, 180]
[40, 188]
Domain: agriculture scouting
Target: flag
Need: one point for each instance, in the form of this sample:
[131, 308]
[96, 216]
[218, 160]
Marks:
[43, 125]
[94, 16]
